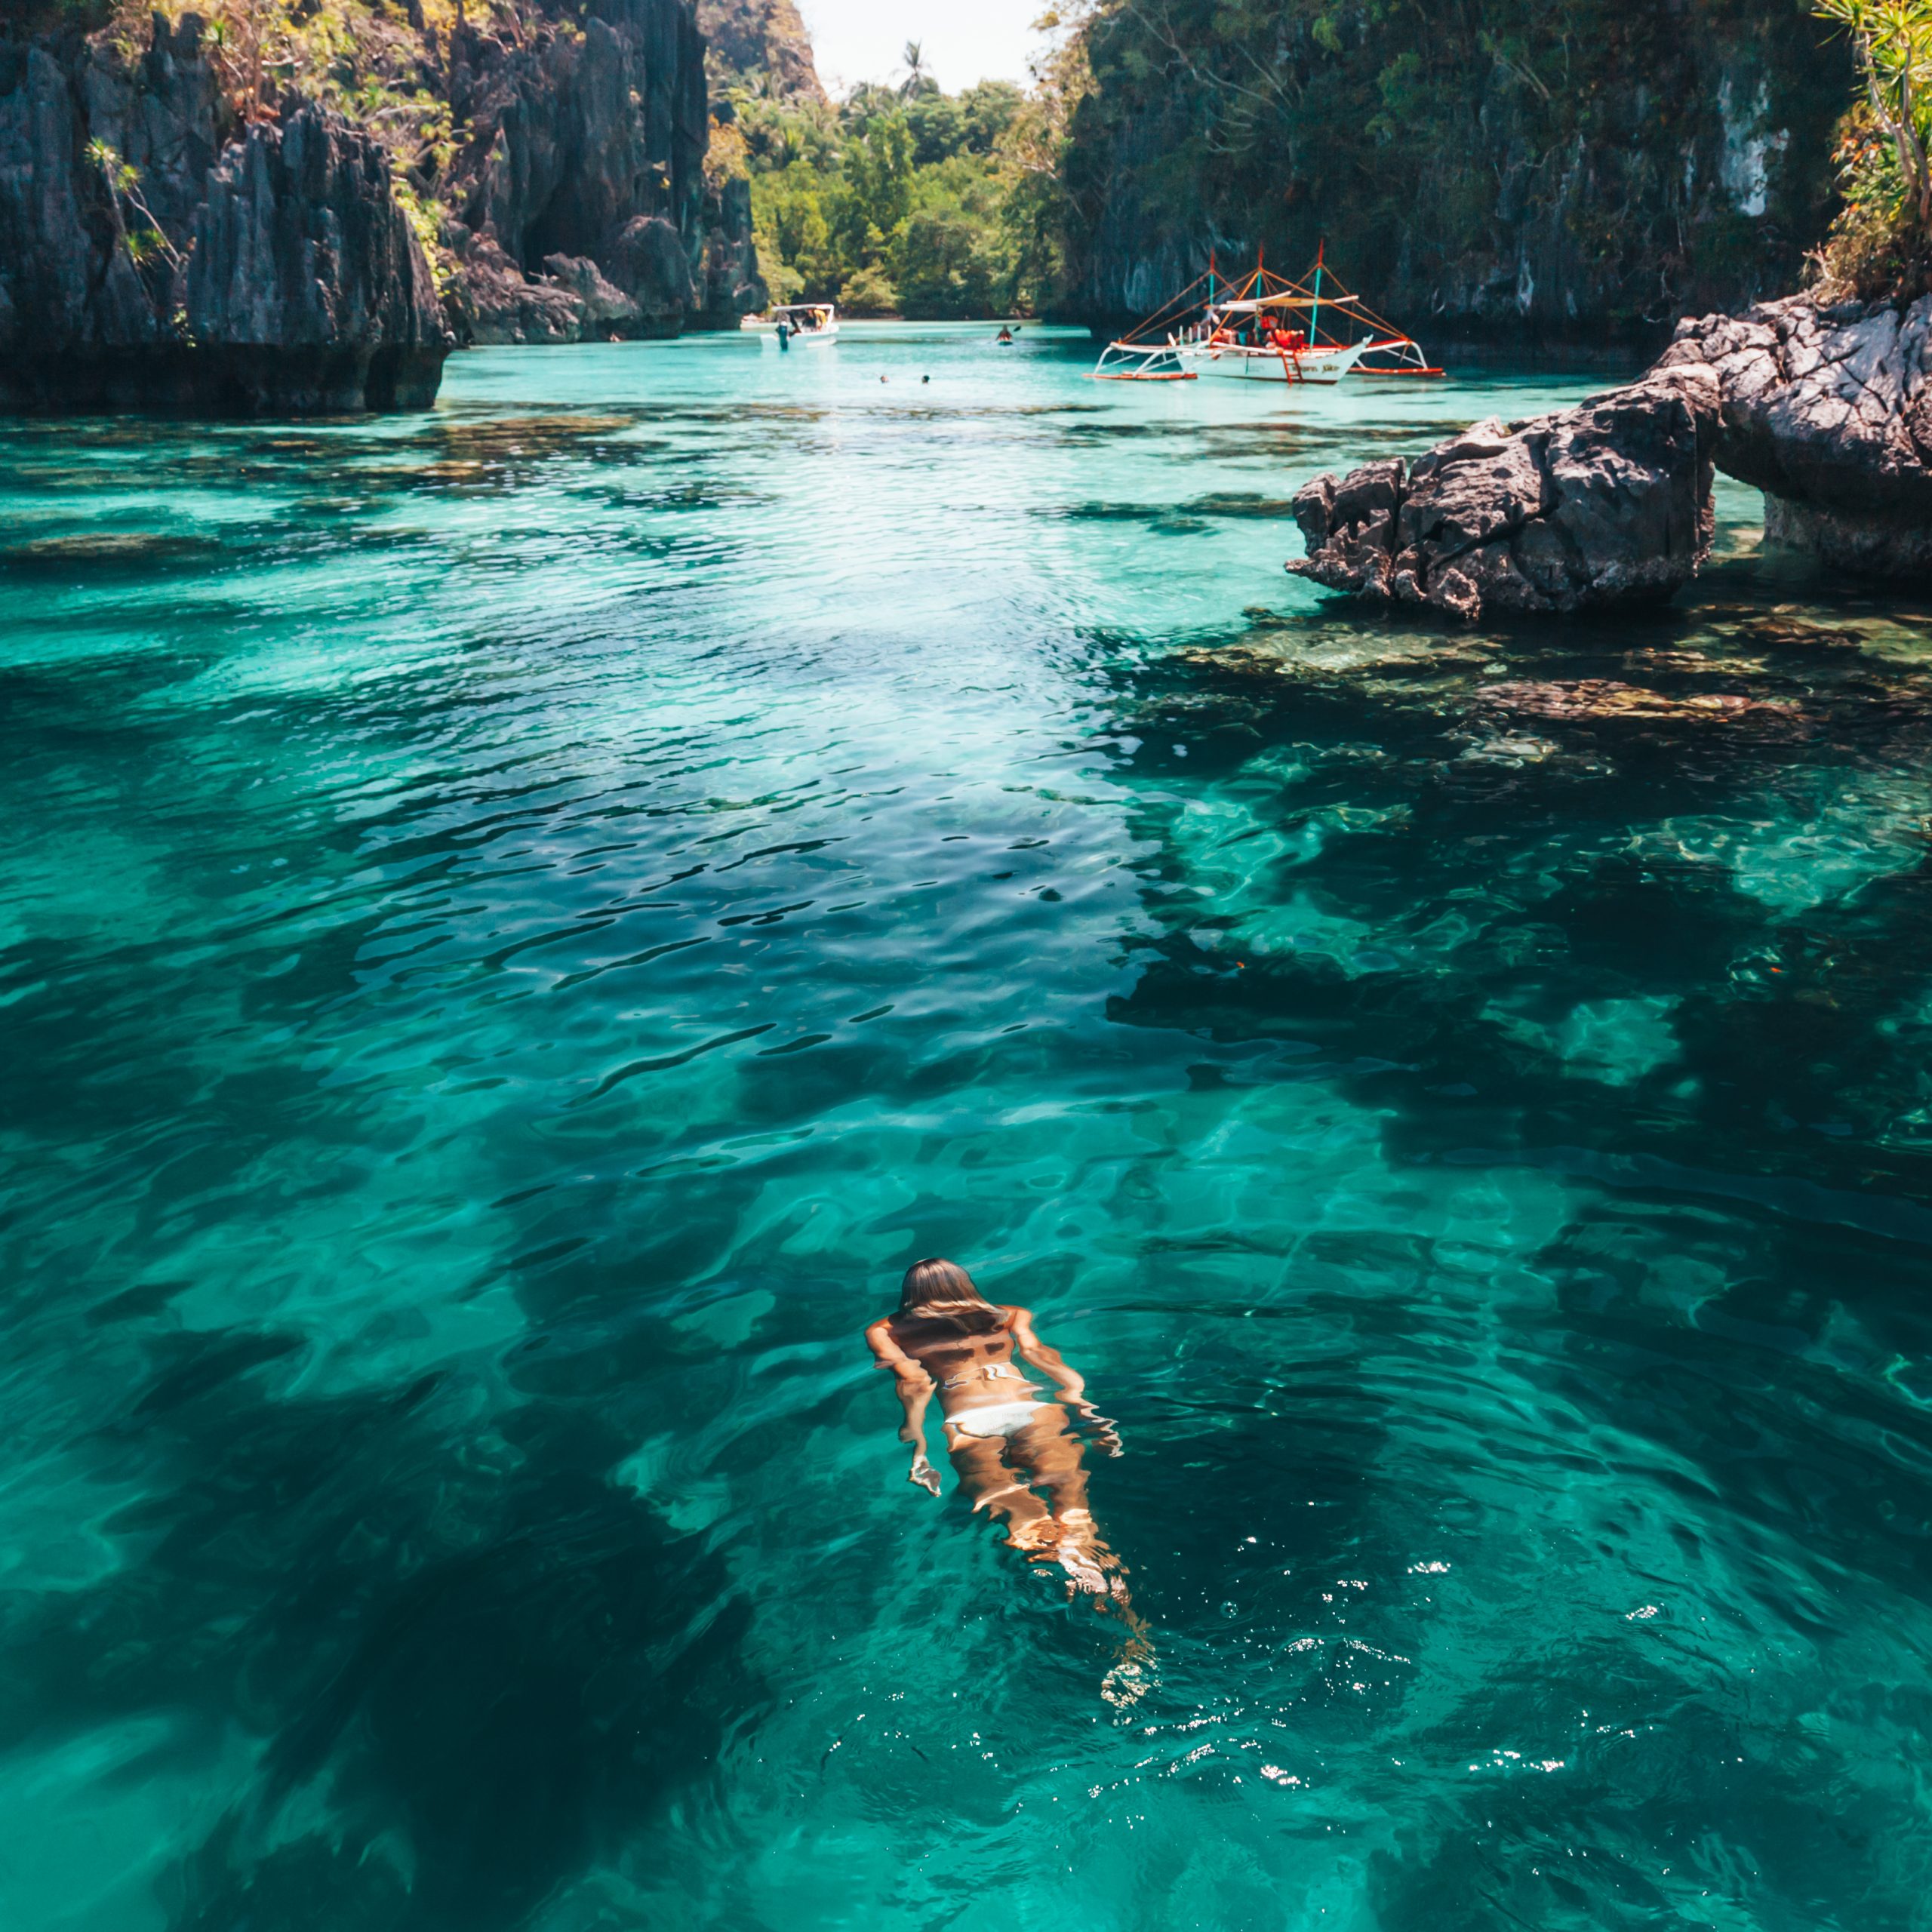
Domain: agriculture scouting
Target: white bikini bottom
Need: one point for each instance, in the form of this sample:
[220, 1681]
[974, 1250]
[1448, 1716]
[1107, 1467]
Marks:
[995, 1418]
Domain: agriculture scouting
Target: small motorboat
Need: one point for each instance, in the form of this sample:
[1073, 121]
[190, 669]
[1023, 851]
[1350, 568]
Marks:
[802, 323]
[1263, 328]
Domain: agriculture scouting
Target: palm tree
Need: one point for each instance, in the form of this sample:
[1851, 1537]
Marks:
[917, 79]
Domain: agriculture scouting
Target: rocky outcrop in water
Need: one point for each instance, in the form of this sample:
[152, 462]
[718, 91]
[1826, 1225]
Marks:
[1829, 411]
[157, 250]
[156, 254]
[1608, 503]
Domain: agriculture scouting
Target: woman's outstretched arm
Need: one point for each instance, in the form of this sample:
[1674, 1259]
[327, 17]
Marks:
[914, 1388]
[1050, 1362]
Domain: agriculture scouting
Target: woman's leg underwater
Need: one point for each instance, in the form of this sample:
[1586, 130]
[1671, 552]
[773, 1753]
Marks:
[1054, 1456]
[996, 1487]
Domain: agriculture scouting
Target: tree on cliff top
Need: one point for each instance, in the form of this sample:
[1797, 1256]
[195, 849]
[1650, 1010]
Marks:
[1881, 243]
[760, 44]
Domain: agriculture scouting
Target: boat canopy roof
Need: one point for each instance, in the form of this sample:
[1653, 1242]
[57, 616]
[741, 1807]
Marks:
[803, 309]
[1289, 299]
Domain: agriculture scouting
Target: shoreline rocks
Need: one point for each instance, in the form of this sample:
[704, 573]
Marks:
[1825, 408]
[1829, 411]
[1608, 503]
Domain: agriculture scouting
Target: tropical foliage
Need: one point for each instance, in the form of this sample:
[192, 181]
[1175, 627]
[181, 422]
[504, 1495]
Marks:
[1881, 242]
[905, 199]
[374, 62]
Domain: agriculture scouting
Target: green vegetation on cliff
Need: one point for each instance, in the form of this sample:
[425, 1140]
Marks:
[1881, 242]
[550, 155]
[1580, 169]
[908, 199]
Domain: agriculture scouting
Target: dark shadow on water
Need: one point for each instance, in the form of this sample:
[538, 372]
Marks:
[485, 1662]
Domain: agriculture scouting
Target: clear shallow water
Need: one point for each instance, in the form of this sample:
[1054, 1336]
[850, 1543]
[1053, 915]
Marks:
[516, 924]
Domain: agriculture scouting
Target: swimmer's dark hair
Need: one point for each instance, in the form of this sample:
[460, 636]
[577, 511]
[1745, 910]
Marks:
[936, 1290]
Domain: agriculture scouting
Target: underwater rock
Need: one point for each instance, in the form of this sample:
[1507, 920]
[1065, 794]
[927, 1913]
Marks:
[89, 551]
[1829, 411]
[1606, 503]
[1600, 698]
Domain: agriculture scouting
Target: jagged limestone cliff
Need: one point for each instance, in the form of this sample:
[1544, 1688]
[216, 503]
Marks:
[192, 220]
[579, 167]
[1572, 171]
[156, 253]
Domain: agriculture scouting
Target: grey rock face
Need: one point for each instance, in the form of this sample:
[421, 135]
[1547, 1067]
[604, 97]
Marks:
[732, 287]
[1829, 411]
[603, 307]
[592, 146]
[570, 302]
[495, 303]
[1608, 503]
[649, 262]
[300, 247]
[264, 270]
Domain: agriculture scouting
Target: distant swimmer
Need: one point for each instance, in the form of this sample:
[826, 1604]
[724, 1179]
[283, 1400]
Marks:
[1011, 1445]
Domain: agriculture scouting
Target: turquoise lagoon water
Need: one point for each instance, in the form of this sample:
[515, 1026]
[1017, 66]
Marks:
[517, 923]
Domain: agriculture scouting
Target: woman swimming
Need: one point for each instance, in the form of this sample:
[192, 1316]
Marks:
[1015, 1453]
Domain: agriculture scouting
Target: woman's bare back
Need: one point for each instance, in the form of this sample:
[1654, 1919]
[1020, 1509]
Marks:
[966, 1370]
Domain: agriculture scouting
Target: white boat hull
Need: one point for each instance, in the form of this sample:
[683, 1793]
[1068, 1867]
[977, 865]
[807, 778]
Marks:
[1269, 365]
[804, 338]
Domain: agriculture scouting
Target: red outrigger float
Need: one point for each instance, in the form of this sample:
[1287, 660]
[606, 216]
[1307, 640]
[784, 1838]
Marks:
[1263, 327]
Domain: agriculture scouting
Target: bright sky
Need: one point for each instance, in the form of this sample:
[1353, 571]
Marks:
[965, 41]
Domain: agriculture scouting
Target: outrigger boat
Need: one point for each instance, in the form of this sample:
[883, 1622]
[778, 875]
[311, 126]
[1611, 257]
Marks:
[801, 322]
[1263, 327]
